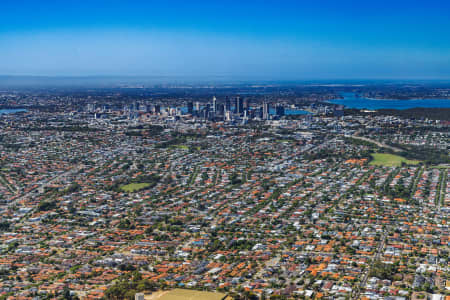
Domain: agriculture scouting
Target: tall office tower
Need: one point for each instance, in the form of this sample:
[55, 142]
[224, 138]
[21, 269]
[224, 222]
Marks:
[279, 110]
[207, 110]
[90, 107]
[197, 106]
[228, 115]
[205, 113]
[266, 111]
[157, 109]
[246, 104]
[190, 107]
[260, 112]
[220, 109]
[214, 104]
[240, 105]
[142, 107]
[227, 104]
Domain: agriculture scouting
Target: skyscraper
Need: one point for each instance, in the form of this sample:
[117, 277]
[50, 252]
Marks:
[206, 111]
[190, 107]
[214, 104]
[240, 105]
[220, 109]
[279, 110]
[266, 111]
[260, 112]
[90, 107]
[228, 115]
[227, 104]
[246, 104]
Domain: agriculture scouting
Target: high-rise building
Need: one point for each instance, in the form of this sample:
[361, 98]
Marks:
[266, 111]
[246, 104]
[206, 111]
[240, 105]
[190, 107]
[197, 106]
[260, 112]
[142, 107]
[214, 104]
[227, 104]
[220, 109]
[279, 110]
[228, 115]
[157, 109]
[90, 107]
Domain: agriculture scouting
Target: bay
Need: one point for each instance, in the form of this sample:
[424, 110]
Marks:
[352, 101]
[11, 111]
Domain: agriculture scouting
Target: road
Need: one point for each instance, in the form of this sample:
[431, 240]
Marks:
[379, 144]
[269, 263]
[442, 190]
[45, 184]
[7, 184]
[376, 257]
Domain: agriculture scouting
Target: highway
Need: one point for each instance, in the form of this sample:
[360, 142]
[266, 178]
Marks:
[379, 144]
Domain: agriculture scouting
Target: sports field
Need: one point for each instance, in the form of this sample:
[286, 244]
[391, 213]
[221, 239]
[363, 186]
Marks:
[390, 160]
[182, 294]
[134, 187]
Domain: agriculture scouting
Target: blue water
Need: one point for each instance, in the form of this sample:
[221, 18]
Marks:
[290, 112]
[351, 101]
[11, 111]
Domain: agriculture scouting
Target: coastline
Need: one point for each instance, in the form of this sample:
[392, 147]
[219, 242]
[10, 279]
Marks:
[11, 111]
[411, 99]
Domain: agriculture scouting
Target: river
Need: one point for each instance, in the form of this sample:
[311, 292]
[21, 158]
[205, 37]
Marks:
[352, 101]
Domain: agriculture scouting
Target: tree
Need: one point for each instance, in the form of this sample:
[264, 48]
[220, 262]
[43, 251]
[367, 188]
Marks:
[4, 225]
[46, 205]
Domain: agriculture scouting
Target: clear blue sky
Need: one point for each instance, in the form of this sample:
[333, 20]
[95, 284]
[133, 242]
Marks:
[238, 39]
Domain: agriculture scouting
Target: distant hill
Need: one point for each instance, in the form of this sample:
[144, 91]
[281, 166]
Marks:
[419, 113]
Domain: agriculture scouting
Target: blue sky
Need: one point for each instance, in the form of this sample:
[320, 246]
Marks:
[234, 39]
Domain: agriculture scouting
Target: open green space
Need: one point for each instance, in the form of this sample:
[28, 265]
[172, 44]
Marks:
[390, 160]
[134, 187]
[442, 167]
[182, 294]
[180, 147]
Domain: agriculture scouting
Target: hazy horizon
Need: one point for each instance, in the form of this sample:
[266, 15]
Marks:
[243, 41]
[118, 80]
